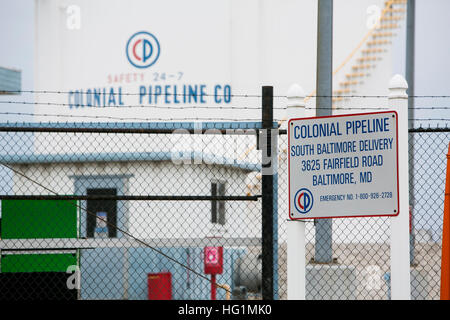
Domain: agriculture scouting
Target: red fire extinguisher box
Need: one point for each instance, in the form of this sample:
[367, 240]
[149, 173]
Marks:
[159, 286]
[213, 260]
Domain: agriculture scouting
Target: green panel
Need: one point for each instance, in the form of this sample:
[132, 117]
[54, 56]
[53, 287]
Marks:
[29, 219]
[37, 262]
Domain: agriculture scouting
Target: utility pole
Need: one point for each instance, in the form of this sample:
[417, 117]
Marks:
[410, 72]
[324, 85]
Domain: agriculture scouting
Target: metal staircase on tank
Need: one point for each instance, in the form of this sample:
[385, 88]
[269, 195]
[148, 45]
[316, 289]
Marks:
[371, 51]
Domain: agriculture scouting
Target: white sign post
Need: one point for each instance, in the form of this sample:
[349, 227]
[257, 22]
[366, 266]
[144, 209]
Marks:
[296, 242]
[343, 166]
[400, 265]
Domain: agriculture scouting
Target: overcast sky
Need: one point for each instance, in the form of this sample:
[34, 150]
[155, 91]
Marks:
[17, 45]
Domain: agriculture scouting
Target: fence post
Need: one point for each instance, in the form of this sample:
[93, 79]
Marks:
[296, 244]
[269, 219]
[400, 266]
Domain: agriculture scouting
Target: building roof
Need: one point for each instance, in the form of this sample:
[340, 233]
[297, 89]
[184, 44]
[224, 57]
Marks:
[177, 158]
[131, 127]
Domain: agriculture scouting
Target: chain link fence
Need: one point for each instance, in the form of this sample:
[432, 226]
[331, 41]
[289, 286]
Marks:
[117, 213]
[360, 262]
[126, 212]
[360, 268]
[428, 167]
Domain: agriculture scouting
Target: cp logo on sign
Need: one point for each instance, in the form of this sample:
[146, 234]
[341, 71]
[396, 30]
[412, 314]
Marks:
[142, 49]
[304, 201]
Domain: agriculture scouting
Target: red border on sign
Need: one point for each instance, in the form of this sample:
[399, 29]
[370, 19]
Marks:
[340, 116]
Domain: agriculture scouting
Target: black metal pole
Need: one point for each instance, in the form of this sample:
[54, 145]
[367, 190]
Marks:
[130, 197]
[267, 195]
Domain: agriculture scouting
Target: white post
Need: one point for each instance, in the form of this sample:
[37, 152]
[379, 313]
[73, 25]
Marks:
[296, 243]
[400, 268]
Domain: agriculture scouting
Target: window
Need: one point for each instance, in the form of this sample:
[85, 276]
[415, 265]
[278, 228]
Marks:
[106, 210]
[218, 206]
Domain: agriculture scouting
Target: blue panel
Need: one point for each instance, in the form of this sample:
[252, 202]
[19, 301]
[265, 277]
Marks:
[145, 260]
[102, 273]
[186, 284]
[10, 80]
[110, 273]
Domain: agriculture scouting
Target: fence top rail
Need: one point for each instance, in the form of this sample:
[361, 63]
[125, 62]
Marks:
[155, 127]
[429, 130]
[131, 127]
[133, 197]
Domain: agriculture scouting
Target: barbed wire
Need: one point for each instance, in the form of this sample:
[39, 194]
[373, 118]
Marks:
[430, 119]
[138, 94]
[132, 118]
[378, 108]
[75, 106]
[165, 119]
[380, 96]
[207, 107]
[206, 94]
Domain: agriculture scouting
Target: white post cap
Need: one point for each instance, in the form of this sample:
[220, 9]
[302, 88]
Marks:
[296, 96]
[398, 87]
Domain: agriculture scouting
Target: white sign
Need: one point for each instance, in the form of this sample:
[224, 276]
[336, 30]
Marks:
[343, 166]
